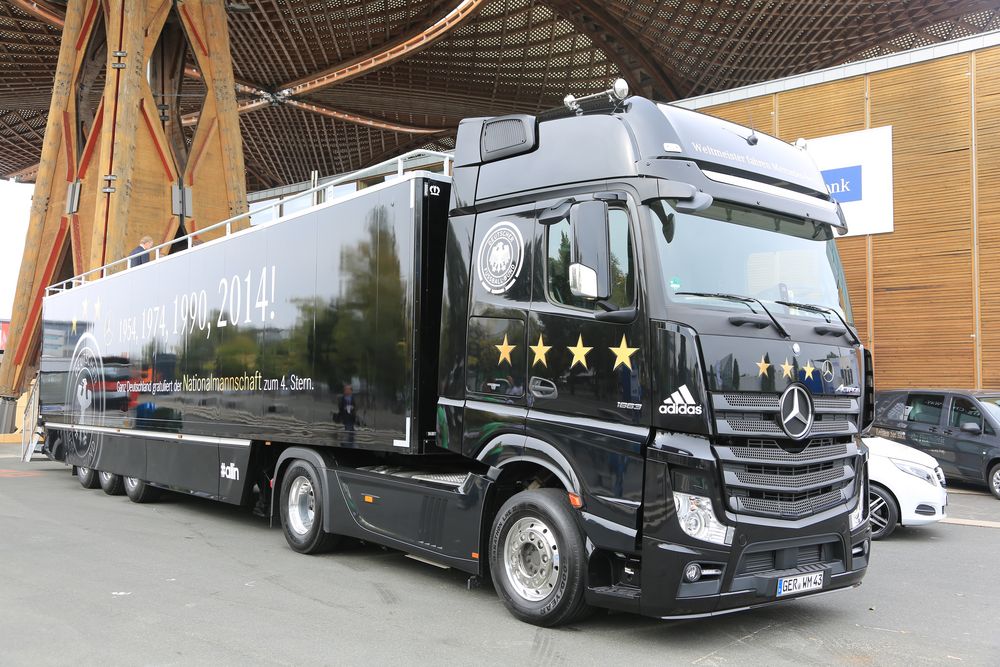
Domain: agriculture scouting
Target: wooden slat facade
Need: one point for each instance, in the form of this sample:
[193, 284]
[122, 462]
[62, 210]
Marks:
[926, 297]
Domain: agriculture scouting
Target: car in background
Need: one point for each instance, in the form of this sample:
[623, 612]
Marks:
[958, 428]
[905, 487]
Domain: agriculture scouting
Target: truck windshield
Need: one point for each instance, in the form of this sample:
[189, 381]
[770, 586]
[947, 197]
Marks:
[728, 249]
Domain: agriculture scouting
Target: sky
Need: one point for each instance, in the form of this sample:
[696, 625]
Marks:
[15, 207]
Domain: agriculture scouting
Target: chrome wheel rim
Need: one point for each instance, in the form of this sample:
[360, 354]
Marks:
[83, 471]
[131, 483]
[996, 482]
[105, 477]
[879, 513]
[531, 559]
[301, 505]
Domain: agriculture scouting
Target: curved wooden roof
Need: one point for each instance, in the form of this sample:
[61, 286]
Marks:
[334, 85]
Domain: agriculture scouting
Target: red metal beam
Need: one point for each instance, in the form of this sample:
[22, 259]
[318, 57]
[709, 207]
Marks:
[42, 11]
[394, 51]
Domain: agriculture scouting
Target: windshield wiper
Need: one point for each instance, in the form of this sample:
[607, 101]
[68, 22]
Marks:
[822, 310]
[743, 299]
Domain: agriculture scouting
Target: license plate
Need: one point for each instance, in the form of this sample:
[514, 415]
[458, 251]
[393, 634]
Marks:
[800, 583]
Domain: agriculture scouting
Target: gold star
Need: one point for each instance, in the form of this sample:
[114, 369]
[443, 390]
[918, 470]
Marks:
[579, 353]
[623, 354]
[540, 351]
[786, 369]
[505, 350]
[762, 366]
[73, 325]
[808, 370]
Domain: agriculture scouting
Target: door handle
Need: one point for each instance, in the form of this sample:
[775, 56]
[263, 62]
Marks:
[542, 388]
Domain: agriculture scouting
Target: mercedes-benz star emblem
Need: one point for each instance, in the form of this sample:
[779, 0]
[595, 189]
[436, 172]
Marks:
[796, 411]
[828, 370]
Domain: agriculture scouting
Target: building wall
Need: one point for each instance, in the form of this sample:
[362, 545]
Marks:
[926, 297]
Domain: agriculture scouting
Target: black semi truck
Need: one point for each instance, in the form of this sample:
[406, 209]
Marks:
[609, 363]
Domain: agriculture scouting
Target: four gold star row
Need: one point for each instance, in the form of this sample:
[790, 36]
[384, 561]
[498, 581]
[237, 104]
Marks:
[623, 353]
[786, 368]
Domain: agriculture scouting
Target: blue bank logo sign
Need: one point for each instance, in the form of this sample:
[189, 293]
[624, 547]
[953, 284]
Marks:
[844, 184]
[857, 172]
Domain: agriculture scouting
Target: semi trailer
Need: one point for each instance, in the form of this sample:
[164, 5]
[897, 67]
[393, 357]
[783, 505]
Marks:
[608, 362]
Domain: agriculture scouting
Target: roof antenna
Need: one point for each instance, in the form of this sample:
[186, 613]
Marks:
[752, 138]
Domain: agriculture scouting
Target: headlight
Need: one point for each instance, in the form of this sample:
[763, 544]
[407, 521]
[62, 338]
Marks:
[917, 470]
[858, 515]
[697, 519]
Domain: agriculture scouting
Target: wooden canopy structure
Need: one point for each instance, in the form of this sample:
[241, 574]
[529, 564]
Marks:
[336, 85]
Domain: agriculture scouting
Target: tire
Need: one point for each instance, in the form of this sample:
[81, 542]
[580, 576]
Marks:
[993, 480]
[538, 558]
[88, 477]
[111, 484]
[139, 491]
[884, 512]
[302, 505]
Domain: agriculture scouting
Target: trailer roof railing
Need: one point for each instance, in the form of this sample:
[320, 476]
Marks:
[273, 209]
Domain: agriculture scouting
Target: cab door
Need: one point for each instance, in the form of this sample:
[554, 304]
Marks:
[496, 344]
[970, 446]
[923, 415]
[586, 361]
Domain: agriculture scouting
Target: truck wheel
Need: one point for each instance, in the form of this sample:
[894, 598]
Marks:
[537, 558]
[994, 480]
[88, 477]
[302, 507]
[111, 484]
[884, 512]
[139, 491]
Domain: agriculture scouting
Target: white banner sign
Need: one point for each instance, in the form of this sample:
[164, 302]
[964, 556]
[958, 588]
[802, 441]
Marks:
[857, 168]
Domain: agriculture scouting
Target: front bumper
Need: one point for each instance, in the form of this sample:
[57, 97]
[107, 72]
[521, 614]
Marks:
[749, 570]
[929, 508]
[760, 550]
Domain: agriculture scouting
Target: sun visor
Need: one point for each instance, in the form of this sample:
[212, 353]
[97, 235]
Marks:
[666, 131]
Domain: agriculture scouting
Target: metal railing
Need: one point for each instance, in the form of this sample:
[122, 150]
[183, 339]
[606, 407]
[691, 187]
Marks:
[273, 209]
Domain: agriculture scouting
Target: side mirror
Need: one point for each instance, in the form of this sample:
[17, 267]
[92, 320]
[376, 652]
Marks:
[972, 428]
[590, 270]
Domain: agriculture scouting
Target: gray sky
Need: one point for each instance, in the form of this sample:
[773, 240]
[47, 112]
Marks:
[15, 207]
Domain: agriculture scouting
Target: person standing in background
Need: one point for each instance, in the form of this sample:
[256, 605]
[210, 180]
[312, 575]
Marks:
[140, 254]
[345, 414]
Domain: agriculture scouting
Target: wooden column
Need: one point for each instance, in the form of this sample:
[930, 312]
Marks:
[125, 153]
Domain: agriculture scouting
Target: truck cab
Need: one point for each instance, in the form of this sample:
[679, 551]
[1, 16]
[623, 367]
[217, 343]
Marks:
[644, 306]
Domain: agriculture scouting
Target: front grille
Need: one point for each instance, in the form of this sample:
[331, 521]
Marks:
[753, 400]
[790, 505]
[769, 450]
[764, 402]
[818, 474]
[767, 474]
[762, 561]
[755, 413]
[761, 477]
[807, 556]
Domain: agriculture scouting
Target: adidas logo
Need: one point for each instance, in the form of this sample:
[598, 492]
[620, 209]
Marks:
[681, 402]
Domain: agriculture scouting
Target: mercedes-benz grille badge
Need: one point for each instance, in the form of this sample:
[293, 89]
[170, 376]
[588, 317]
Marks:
[795, 408]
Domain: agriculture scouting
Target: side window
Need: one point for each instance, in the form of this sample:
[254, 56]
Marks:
[964, 411]
[895, 410]
[622, 263]
[923, 408]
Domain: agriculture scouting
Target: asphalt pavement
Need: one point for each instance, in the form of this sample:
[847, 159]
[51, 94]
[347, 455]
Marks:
[90, 579]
